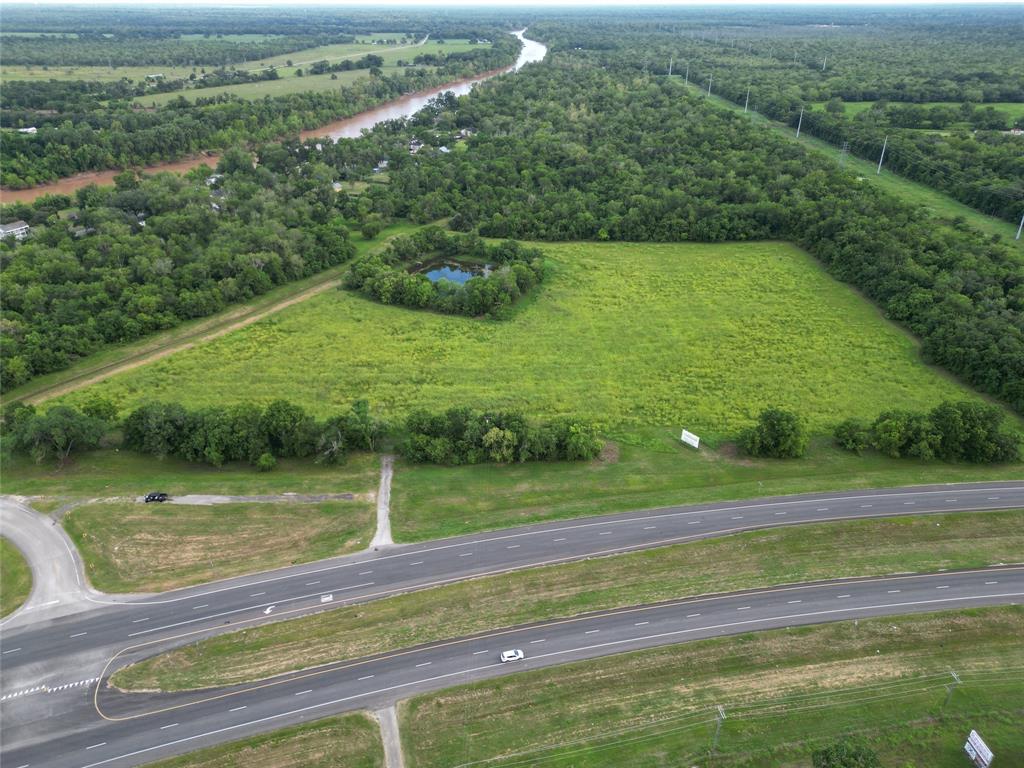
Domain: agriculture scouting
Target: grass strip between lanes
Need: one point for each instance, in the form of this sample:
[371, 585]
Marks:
[785, 692]
[352, 741]
[15, 578]
[750, 560]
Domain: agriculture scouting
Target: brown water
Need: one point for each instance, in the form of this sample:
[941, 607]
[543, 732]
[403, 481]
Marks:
[348, 128]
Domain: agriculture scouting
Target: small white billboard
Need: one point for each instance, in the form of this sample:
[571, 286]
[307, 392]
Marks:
[690, 439]
[978, 751]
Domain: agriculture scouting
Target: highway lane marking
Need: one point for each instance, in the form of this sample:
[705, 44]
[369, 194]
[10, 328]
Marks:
[840, 597]
[949, 501]
[907, 503]
[695, 522]
[605, 533]
[792, 602]
[13, 650]
[692, 615]
[650, 527]
[592, 522]
[244, 610]
[641, 623]
[139, 621]
[591, 631]
[893, 591]
[418, 562]
[477, 653]
[198, 607]
[534, 642]
[736, 517]
[257, 594]
[513, 546]
[311, 583]
[101, 744]
[165, 727]
[364, 573]
[561, 539]
[992, 498]
[238, 709]
[780, 513]
[744, 608]
[821, 509]
[336, 666]
[303, 693]
[987, 582]
[425, 664]
[463, 672]
[464, 554]
[865, 506]
[78, 634]
[365, 677]
[943, 587]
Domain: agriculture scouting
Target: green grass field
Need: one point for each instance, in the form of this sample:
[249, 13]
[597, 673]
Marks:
[1012, 108]
[936, 203]
[133, 547]
[784, 692]
[756, 559]
[699, 335]
[651, 469]
[15, 578]
[288, 83]
[348, 741]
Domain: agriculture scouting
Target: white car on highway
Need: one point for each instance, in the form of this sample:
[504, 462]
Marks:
[514, 655]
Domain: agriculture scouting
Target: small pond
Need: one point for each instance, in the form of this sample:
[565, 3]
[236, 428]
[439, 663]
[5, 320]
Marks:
[454, 271]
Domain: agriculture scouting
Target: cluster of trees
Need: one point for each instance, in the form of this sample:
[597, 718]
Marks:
[464, 436]
[57, 432]
[368, 61]
[159, 250]
[385, 277]
[778, 434]
[963, 431]
[250, 433]
[595, 150]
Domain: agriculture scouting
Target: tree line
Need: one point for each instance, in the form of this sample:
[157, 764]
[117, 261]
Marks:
[148, 253]
[513, 270]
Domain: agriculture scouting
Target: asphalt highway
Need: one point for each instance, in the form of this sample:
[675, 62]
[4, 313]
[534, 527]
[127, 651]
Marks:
[46, 663]
[135, 729]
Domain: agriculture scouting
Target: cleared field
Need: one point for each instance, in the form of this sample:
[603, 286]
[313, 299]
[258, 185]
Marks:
[625, 334]
[133, 547]
[1012, 108]
[15, 577]
[349, 741]
[301, 57]
[784, 692]
[288, 83]
[786, 555]
[647, 469]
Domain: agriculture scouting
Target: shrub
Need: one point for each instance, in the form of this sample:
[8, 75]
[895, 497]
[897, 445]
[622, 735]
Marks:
[845, 754]
[778, 434]
[266, 462]
[853, 435]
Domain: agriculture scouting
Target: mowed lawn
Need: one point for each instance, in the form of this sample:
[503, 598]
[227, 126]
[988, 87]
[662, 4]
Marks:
[1012, 108]
[15, 577]
[696, 335]
[784, 692]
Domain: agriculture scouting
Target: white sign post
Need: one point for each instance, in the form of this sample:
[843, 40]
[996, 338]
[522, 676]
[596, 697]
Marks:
[978, 751]
[690, 439]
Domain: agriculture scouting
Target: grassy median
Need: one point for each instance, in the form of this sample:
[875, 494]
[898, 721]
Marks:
[15, 578]
[743, 561]
[784, 693]
[349, 741]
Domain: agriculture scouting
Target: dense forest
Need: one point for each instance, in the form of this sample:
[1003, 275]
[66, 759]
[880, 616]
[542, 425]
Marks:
[586, 147]
[120, 136]
[963, 150]
[146, 254]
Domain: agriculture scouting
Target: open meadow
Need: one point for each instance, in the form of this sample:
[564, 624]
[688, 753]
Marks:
[15, 577]
[626, 335]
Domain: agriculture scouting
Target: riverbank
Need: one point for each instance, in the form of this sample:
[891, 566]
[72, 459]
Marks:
[343, 128]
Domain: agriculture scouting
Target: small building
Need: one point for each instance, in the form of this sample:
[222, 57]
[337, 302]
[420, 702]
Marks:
[19, 230]
[30, 130]
[337, 186]
[211, 180]
[381, 166]
[444, 150]
[415, 146]
[80, 232]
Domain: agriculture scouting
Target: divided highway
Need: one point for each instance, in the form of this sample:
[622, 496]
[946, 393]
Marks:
[46, 728]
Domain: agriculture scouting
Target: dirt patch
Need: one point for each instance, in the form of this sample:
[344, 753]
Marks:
[609, 453]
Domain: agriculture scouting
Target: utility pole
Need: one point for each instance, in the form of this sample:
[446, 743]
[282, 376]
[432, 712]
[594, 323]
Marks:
[709, 84]
[799, 122]
[823, 64]
[671, 61]
[882, 156]
[845, 152]
[950, 687]
[718, 728]
[747, 101]
[1020, 227]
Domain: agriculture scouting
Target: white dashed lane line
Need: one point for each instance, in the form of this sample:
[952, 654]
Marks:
[257, 594]
[365, 573]
[561, 539]
[822, 509]
[418, 562]
[165, 727]
[692, 615]
[238, 709]
[94, 746]
[477, 653]
[695, 522]
[793, 602]
[893, 591]
[513, 546]
[944, 586]
[744, 608]
[650, 527]
[139, 621]
[425, 664]
[534, 642]
[641, 623]
[197, 607]
[366, 677]
[779, 514]
[466, 554]
[987, 582]
[865, 506]
[13, 650]
[78, 634]
[311, 583]
[840, 597]
[591, 631]
[303, 693]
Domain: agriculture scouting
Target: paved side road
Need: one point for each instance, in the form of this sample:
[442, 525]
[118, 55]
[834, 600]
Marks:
[59, 586]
